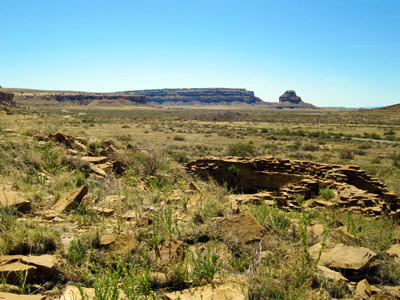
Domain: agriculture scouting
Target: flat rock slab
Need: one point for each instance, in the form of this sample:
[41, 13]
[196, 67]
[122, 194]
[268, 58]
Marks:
[219, 292]
[118, 243]
[394, 251]
[71, 200]
[168, 252]
[71, 292]
[36, 268]
[13, 199]
[245, 228]
[331, 274]
[9, 296]
[95, 159]
[346, 257]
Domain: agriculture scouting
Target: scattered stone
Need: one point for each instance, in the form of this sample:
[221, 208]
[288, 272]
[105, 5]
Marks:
[330, 274]
[117, 243]
[346, 257]
[363, 289]
[71, 292]
[315, 234]
[214, 292]
[97, 170]
[101, 210]
[10, 198]
[394, 251]
[94, 159]
[169, 252]
[9, 296]
[36, 269]
[70, 200]
[245, 229]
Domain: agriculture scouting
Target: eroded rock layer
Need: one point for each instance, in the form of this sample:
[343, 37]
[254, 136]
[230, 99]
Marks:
[281, 181]
[200, 96]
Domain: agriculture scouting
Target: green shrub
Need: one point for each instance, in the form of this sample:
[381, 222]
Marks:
[241, 149]
[345, 153]
[271, 217]
[327, 193]
[205, 266]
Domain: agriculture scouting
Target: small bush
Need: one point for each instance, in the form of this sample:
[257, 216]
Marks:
[205, 266]
[241, 149]
[327, 193]
[179, 138]
[345, 153]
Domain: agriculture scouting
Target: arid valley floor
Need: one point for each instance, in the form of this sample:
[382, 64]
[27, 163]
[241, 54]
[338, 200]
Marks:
[228, 202]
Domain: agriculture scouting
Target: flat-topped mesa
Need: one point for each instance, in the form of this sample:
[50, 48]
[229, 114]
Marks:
[282, 180]
[86, 98]
[7, 99]
[199, 96]
[291, 97]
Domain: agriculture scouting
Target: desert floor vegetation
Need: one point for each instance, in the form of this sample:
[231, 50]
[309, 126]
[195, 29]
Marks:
[102, 195]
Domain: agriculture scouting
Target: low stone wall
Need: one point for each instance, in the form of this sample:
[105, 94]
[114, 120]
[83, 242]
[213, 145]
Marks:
[7, 99]
[282, 180]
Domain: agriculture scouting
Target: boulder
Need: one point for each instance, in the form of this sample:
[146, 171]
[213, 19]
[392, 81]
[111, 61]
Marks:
[330, 274]
[117, 243]
[12, 199]
[36, 269]
[363, 289]
[346, 257]
[244, 228]
[71, 200]
[168, 252]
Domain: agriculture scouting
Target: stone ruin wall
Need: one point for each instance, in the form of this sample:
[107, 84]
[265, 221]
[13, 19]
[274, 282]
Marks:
[7, 99]
[281, 180]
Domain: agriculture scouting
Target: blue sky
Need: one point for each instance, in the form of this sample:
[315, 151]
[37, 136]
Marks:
[331, 52]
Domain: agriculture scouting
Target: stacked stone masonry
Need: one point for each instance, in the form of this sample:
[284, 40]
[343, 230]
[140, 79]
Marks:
[279, 182]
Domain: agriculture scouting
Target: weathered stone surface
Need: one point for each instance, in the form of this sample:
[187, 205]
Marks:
[12, 199]
[216, 292]
[86, 98]
[71, 200]
[199, 96]
[117, 243]
[7, 99]
[245, 228]
[94, 159]
[169, 252]
[331, 274]
[290, 96]
[346, 257]
[71, 292]
[363, 289]
[36, 269]
[394, 251]
[315, 234]
[9, 296]
[285, 180]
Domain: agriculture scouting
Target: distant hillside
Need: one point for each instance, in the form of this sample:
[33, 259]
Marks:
[198, 96]
[43, 97]
[395, 107]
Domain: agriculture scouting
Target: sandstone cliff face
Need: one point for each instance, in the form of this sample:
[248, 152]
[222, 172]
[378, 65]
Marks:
[85, 98]
[199, 96]
[290, 96]
[7, 99]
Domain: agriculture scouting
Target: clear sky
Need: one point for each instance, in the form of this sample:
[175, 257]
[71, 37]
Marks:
[331, 52]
